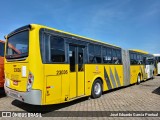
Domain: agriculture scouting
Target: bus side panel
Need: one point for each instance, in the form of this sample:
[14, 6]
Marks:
[57, 83]
[54, 89]
[143, 72]
[135, 70]
[73, 85]
[149, 71]
[155, 71]
[112, 76]
[80, 83]
[91, 71]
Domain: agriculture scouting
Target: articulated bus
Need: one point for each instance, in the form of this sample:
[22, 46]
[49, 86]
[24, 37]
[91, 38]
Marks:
[49, 66]
[157, 64]
[2, 44]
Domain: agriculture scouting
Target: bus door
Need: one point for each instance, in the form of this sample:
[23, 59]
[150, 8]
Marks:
[76, 60]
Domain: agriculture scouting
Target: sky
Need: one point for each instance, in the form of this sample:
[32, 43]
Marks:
[130, 24]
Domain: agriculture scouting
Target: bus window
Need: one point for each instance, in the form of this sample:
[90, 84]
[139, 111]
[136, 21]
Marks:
[150, 61]
[72, 58]
[57, 53]
[80, 58]
[144, 60]
[114, 56]
[17, 46]
[119, 61]
[94, 53]
[131, 58]
[135, 59]
[91, 53]
[104, 55]
[97, 50]
[141, 59]
[109, 54]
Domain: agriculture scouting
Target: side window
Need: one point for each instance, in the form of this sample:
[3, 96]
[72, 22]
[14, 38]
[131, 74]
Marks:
[144, 60]
[104, 55]
[109, 54]
[45, 47]
[114, 56]
[135, 59]
[131, 58]
[80, 58]
[139, 59]
[94, 53]
[97, 50]
[72, 57]
[56, 51]
[91, 53]
[119, 58]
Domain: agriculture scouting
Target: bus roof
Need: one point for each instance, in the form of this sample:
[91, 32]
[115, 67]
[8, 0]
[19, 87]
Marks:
[140, 51]
[74, 35]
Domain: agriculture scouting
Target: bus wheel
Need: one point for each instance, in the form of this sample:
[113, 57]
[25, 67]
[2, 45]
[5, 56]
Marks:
[96, 89]
[138, 79]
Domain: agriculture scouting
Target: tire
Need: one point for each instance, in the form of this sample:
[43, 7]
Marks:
[96, 89]
[138, 79]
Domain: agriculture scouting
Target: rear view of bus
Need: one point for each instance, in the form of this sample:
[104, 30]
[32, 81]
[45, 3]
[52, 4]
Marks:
[2, 43]
[19, 64]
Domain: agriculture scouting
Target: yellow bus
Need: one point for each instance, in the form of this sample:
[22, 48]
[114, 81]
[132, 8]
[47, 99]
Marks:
[49, 66]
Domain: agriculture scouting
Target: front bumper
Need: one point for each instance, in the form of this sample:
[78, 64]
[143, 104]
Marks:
[32, 97]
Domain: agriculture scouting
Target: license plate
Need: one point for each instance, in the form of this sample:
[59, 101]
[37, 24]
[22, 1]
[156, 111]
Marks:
[15, 82]
[13, 94]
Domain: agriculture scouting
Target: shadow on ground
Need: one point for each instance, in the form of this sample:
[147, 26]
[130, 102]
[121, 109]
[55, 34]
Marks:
[50, 109]
[45, 108]
[156, 91]
[2, 93]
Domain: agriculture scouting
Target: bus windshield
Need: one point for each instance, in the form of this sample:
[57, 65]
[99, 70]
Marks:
[17, 45]
[2, 49]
